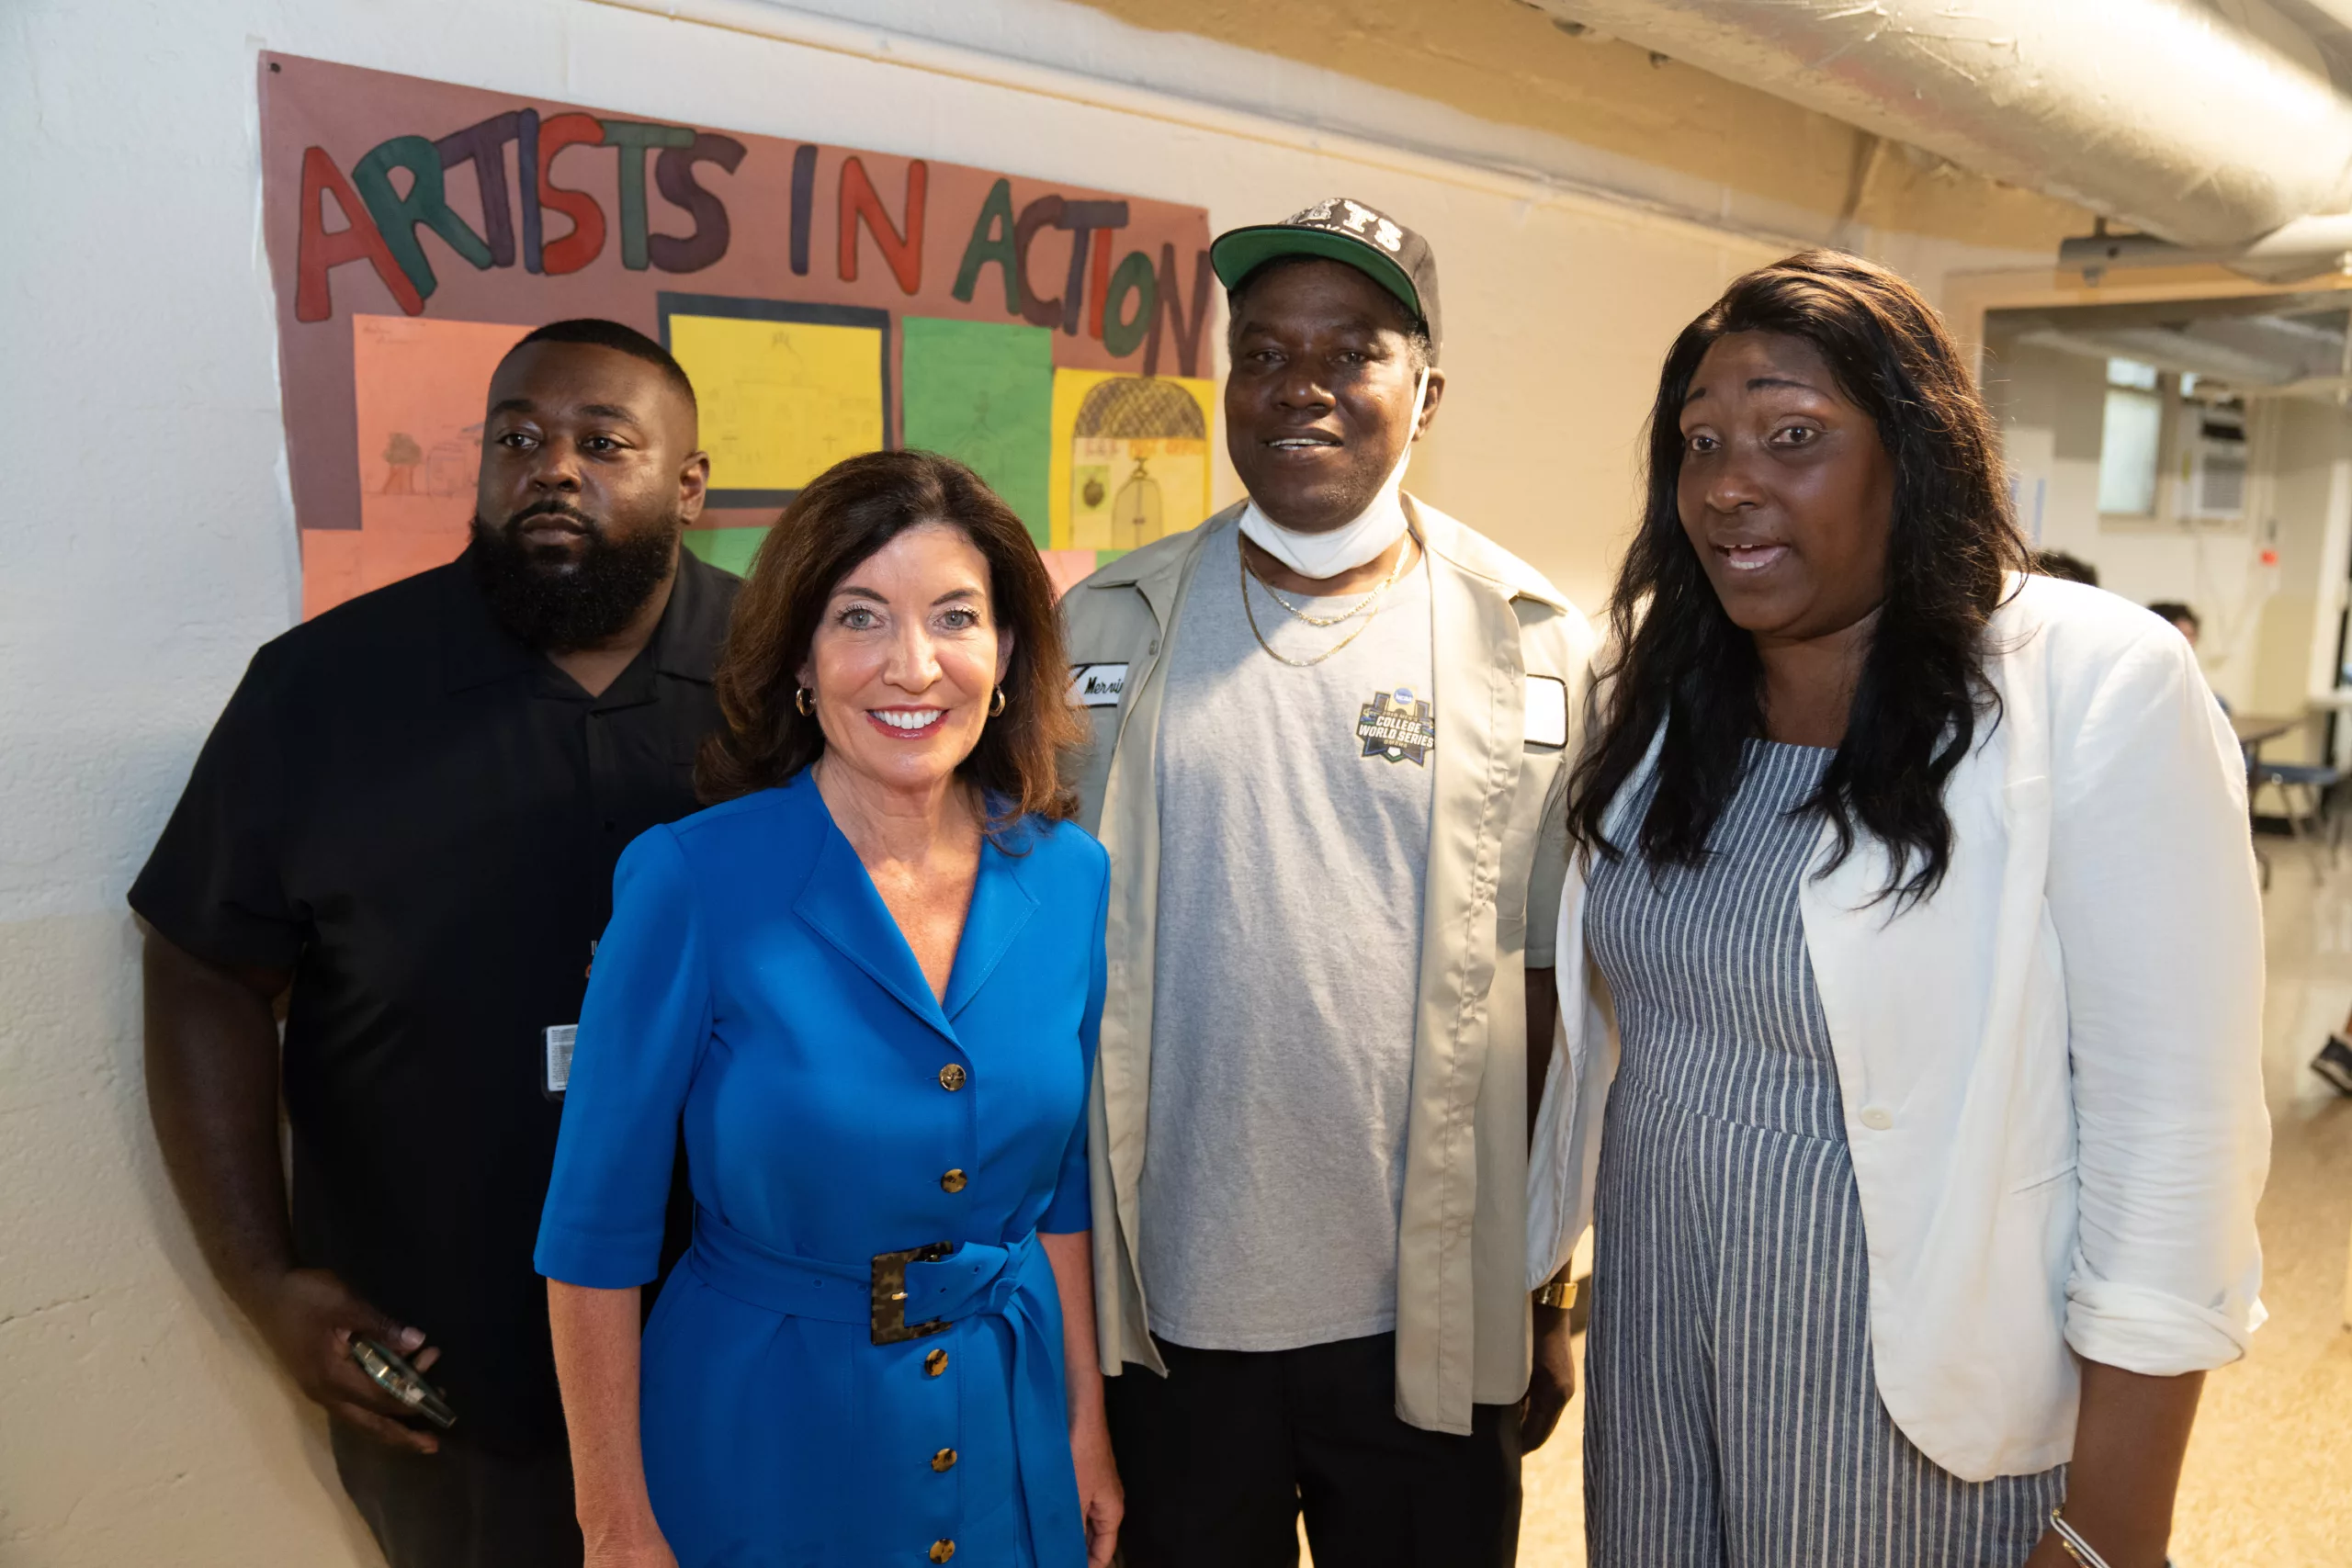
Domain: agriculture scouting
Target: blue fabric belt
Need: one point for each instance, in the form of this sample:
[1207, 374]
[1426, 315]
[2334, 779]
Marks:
[977, 1279]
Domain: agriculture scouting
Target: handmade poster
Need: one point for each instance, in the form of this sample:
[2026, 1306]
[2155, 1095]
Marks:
[825, 300]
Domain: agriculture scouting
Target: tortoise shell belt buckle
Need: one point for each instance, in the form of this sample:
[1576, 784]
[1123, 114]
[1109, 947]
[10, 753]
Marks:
[889, 1325]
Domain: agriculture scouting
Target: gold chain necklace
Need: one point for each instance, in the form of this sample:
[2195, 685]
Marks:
[1361, 606]
[1251, 613]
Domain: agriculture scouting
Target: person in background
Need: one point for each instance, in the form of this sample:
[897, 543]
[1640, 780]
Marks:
[1913, 1241]
[2333, 1062]
[2182, 618]
[1329, 731]
[864, 990]
[2066, 568]
[402, 831]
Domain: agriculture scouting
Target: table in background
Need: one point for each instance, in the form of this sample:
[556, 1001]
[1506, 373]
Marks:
[2254, 730]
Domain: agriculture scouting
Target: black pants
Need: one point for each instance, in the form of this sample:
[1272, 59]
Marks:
[1220, 1457]
[461, 1508]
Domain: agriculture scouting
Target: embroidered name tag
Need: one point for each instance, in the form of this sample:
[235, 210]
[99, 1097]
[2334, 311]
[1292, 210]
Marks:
[1547, 711]
[1097, 685]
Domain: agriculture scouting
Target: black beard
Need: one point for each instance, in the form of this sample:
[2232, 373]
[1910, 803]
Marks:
[556, 610]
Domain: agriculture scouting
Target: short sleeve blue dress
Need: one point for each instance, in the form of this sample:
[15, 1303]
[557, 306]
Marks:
[754, 996]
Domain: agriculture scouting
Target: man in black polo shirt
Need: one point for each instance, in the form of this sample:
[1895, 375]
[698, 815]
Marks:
[403, 827]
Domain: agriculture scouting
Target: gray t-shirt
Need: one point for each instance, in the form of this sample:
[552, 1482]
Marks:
[1293, 843]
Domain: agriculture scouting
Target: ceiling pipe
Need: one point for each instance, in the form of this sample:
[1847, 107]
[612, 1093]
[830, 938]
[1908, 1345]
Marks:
[2156, 112]
[2289, 253]
[2339, 11]
[2172, 351]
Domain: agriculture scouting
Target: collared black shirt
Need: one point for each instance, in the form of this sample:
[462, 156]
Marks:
[417, 815]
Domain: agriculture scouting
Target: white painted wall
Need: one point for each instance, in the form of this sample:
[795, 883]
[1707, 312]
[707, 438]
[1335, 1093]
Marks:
[148, 548]
[2270, 631]
[2309, 500]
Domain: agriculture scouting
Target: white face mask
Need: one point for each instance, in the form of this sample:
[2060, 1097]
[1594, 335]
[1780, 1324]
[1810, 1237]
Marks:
[1353, 543]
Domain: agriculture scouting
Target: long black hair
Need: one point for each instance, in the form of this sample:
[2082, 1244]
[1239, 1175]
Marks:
[1922, 698]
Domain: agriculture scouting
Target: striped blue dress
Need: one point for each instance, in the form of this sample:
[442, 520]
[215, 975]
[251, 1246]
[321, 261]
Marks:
[1733, 1415]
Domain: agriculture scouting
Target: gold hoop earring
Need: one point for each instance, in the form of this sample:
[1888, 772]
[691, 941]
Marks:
[803, 699]
[996, 704]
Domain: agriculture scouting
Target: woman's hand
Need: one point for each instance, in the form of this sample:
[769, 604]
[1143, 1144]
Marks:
[596, 1361]
[2130, 1438]
[1101, 1501]
[636, 1549]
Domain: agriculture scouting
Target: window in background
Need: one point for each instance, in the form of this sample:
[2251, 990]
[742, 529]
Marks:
[2131, 438]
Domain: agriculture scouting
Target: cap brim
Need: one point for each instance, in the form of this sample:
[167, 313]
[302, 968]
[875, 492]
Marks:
[1239, 252]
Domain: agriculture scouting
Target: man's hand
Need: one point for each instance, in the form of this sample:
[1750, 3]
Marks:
[310, 1318]
[1553, 1381]
[212, 1092]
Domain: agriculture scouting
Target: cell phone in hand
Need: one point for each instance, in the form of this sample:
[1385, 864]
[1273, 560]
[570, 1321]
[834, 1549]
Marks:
[391, 1371]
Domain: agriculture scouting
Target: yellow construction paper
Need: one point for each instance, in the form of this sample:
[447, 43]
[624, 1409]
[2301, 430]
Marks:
[782, 402]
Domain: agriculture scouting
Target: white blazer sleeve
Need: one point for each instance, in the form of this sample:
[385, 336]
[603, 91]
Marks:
[2153, 892]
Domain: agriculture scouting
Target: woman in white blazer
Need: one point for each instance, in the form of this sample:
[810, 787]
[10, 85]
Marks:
[1911, 987]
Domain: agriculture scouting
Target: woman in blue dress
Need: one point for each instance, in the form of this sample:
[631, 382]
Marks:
[864, 990]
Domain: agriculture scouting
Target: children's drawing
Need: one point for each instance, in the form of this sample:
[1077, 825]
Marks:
[1133, 456]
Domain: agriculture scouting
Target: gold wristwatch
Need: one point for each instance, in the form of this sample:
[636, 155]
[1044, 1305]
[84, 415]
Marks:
[1559, 1291]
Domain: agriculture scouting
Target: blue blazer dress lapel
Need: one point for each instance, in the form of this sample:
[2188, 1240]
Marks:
[838, 903]
[1001, 908]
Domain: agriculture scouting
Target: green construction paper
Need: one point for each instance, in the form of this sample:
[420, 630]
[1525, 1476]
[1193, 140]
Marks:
[983, 393]
[731, 549]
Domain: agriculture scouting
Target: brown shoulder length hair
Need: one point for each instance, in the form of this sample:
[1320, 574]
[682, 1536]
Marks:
[847, 514]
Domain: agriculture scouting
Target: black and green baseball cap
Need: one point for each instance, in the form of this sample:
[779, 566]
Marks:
[1340, 229]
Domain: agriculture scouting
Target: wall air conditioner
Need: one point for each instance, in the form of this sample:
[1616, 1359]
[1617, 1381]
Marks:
[2213, 463]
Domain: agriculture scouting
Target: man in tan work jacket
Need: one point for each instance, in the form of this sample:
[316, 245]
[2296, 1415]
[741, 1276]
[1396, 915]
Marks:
[1330, 729]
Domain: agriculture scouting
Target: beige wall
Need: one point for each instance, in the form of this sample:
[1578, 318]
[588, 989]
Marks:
[2262, 625]
[2309, 452]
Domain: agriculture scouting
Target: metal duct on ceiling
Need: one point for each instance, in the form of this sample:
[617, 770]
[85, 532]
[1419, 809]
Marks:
[2304, 248]
[2156, 112]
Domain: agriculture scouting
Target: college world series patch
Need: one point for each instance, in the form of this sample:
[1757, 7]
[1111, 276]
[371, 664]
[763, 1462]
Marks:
[1395, 726]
